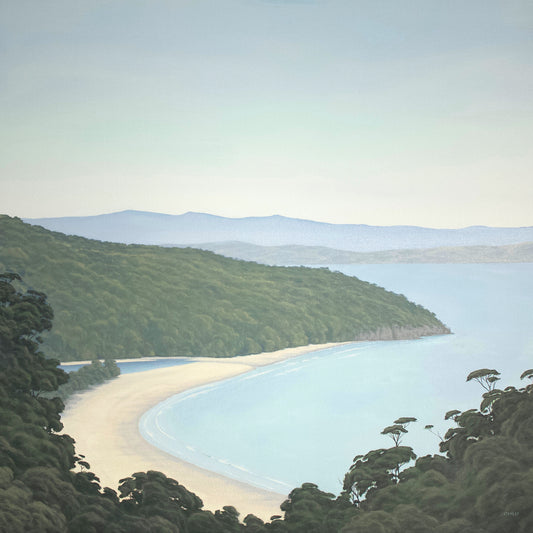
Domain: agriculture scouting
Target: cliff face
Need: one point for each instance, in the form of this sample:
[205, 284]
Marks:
[395, 333]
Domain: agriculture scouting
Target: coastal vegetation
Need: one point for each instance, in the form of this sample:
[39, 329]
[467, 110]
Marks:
[482, 480]
[88, 376]
[118, 300]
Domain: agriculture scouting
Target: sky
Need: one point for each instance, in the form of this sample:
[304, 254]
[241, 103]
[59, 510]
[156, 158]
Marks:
[376, 112]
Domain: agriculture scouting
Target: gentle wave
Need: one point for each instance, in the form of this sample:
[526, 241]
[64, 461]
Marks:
[286, 427]
[155, 431]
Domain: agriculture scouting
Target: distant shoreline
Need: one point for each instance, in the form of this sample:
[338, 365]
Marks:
[134, 359]
[105, 425]
[384, 333]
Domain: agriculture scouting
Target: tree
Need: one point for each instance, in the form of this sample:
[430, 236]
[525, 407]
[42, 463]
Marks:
[528, 374]
[151, 493]
[486, 377]
[309, 509]
[228, 517]
[24, 371]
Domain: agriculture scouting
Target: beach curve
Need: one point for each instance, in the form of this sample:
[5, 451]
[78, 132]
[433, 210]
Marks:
[104, 422]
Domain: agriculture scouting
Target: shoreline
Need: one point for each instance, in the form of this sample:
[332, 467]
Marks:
[105, 425]
[131, 360]
[384, 333]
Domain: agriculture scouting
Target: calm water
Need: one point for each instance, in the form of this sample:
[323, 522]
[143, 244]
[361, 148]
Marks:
[129, 367]
[306, 418]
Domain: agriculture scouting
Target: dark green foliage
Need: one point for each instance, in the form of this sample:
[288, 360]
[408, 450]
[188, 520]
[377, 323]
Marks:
[376, 470]
[35, 482]
[254, 524]
[379, 468]
[23, 318]
[228, 518]
[149, 494]
[116, 300]
[485, 377]
[87, 376]
[484, 483]
[44, 486]
[308, 509]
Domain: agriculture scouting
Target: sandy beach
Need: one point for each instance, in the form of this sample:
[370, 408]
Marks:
[104, 423]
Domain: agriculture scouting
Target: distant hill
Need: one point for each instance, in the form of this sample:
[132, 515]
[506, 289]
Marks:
[154, 228]
[320, 255]
[120, 300]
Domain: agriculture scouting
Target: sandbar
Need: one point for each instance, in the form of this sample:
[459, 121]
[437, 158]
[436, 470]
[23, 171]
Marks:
[104, 422]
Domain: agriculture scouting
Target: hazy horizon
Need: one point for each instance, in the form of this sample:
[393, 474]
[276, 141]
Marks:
[263, 216]
[413, 113]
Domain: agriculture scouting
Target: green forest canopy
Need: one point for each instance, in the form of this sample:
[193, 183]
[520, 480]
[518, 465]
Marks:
[118, 300]
[483, 483]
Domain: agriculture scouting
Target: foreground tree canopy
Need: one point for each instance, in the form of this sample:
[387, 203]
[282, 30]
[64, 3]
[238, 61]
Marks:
[483, 482]
[118, 300]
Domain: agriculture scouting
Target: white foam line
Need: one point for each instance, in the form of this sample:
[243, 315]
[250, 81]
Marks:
[352, 350]
[351, 356]
[160, 429]
[253, 376]
[195, 394]
[242, 468]
[278, 481]
[289, 371]
[251, 477]
[187, 395]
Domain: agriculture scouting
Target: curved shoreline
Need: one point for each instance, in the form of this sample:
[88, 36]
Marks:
[105, 425]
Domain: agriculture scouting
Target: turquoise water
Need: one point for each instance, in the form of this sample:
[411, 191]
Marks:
[306, 418]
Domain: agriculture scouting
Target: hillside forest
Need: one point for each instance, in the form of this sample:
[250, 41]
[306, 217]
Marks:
[117, 300]
[482, 480]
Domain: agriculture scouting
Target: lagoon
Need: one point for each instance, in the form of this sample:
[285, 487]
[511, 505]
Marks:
[132, 366]
[306, 418]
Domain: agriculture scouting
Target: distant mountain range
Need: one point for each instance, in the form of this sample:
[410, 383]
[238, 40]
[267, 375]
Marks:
[141, 227]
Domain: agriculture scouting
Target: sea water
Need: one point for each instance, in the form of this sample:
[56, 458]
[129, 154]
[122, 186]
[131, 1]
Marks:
[306, 418]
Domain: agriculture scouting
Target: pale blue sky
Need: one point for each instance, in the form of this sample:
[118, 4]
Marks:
[377, 112]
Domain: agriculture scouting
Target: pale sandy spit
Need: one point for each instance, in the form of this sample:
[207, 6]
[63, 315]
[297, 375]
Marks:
[104, 423]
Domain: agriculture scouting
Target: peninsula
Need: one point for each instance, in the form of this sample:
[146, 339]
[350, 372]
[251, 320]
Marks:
[118, 300]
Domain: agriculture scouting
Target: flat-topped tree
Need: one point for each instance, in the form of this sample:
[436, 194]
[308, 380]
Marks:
[486, 377]
[379, 468]
[528, 374]
[396, 431]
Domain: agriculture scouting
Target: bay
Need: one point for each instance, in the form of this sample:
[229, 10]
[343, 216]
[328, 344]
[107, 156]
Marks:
[305, 419]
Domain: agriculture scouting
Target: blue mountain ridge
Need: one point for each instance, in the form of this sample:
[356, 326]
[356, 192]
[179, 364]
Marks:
[141, 227]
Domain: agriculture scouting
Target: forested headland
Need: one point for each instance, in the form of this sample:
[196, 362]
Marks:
[117, 300]
[481, 482]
